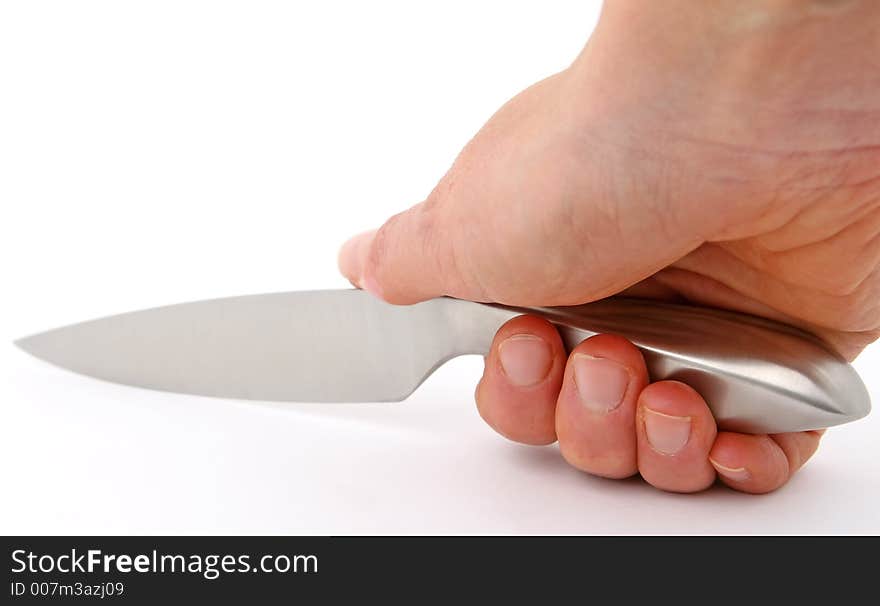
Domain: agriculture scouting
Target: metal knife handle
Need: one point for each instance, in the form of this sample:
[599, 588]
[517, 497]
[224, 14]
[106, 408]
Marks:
[757, 376]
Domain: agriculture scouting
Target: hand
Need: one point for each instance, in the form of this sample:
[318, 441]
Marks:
[725, 155]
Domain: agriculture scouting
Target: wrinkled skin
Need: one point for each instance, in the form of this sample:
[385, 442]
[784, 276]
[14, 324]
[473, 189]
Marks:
[727, 155]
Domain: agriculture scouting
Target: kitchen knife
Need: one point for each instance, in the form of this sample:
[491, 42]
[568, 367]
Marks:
[757, 376]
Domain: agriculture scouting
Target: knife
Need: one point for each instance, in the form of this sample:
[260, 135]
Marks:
[758, 376]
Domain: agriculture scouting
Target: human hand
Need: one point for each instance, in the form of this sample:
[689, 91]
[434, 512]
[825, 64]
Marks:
[727, 155]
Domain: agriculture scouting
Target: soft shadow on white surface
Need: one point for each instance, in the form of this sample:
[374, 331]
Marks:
[85, 456]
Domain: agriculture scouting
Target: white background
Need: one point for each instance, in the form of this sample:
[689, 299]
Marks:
[159, 152]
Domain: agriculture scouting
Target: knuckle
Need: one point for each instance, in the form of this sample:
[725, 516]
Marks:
[407, 239]
[859, 310]
[377, 258]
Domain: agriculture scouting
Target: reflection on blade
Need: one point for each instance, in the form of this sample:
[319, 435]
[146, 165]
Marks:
[319, 346]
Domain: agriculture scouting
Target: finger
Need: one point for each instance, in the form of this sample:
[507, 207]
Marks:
[595, 412]
[404, 261]
[798, 447]
[352, 256]
[675, 432]
[761, 463]
[517, 394]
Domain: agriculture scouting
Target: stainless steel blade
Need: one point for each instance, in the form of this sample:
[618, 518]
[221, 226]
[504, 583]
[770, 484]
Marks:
[347, 346]
[320, 346]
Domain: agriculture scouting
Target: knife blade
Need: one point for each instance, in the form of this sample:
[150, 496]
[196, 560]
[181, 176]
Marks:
[757, 376]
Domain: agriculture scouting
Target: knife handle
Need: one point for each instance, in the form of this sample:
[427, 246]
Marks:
[756, 375]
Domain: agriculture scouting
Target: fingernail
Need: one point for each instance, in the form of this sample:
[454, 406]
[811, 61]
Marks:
[369, 284]
[737, 474]
[352, 256]
[601, 383]
[667, 434]
[525, 359]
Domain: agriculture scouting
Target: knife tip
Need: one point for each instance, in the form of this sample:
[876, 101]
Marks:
[25, 344]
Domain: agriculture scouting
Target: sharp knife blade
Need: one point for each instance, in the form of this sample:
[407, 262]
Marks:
[347, 346]
[330, 346]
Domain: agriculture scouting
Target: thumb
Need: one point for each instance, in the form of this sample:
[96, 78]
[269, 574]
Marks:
[482, 233]
[531, 215]
[469, 237]
[404, 261]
